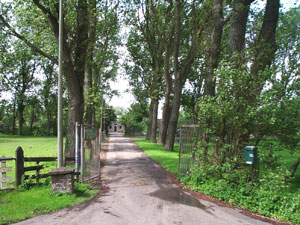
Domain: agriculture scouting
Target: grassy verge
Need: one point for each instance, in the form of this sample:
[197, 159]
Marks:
[168, 159]
[271, 196]
[22, 204]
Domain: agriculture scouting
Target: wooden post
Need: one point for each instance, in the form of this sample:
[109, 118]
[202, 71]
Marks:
[37, 173]
[19, 165]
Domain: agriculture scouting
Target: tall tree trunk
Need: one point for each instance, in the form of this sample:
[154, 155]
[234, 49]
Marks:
[214, 47]
[151, 108]
[181, 72]
[21, 118]
[172, 127]
[14, 118]
[238, 24]
[165, 119]
[166, 109]
[154, 120]
[76, 81]
[88, 79]
[265, 44]
[73, 67]
[32, 119]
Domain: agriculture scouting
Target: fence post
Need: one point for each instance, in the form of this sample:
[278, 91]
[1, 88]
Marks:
[19, 165]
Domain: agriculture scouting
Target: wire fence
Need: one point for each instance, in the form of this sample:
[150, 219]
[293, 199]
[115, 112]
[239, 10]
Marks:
[88, 147]
[189, 144]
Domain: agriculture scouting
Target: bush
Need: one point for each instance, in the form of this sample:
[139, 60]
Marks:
[269, 195]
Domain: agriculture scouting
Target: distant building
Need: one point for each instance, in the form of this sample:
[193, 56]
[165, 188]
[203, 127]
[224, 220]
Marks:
[115, 126]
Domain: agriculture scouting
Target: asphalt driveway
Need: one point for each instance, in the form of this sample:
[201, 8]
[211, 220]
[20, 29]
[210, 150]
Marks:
[141, 192]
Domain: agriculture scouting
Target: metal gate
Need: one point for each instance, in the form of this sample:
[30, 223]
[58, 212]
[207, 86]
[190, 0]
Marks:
[87, 151]
[189, 144]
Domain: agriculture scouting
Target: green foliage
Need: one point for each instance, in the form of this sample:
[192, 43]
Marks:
[25, 184]
[270, 195]
[22, 204]
[135, 120]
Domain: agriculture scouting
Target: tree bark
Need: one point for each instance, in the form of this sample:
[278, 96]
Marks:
[21, 108]
[214, 47]
[172, 127]
[32, 118]
[181, 72]
[151, 34]
[14, 117]
[238, 24]
[167, 76]
[151, 108]
[265, 44]
[165, 119]
[154, 121]
[88, 79]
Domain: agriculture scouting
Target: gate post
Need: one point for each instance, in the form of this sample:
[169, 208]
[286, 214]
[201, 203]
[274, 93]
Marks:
[19, 165]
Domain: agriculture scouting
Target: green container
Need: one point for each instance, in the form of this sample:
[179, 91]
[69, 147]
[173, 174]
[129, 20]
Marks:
[250, 153]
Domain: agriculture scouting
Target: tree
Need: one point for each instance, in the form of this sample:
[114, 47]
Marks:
[74, 59]
[182, 61]
[20, 65]
[36, 18]
[240, 109]
[48, 95]
[134, 120]
[148, 23]
[102, 60]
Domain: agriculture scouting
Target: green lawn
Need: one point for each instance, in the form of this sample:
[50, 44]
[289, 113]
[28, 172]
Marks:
[21, 204]
[32, 147]
[168, 159]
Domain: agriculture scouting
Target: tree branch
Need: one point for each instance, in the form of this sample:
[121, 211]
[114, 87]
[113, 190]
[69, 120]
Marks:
[22, 38]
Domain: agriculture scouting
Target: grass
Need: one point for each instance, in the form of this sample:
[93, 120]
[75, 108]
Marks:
[32, 147]
[19, 205]
[168, 159]
[286, 157]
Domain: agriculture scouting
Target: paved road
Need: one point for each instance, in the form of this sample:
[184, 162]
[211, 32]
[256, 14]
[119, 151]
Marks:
[141, 193]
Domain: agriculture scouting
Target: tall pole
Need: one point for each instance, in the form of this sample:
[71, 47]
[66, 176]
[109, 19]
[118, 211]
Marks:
[60, 81]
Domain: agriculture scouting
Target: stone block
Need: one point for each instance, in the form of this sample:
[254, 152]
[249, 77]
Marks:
[62, 180]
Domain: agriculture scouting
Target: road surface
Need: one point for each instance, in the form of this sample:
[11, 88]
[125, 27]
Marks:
[141, 193]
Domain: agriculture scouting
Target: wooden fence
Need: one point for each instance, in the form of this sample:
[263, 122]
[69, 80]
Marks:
[21, 169]
[4, 179]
